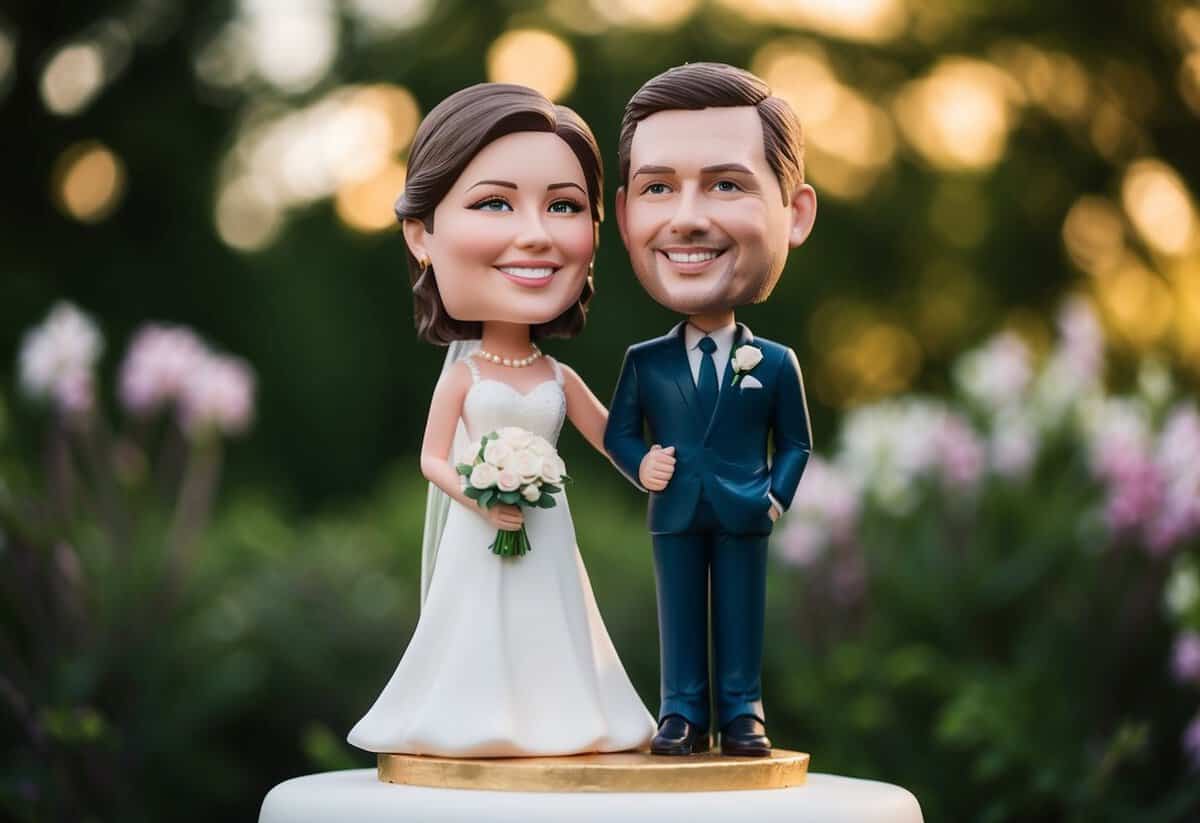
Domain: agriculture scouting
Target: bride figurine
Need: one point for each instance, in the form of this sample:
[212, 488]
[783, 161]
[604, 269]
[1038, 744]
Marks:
[510, 656]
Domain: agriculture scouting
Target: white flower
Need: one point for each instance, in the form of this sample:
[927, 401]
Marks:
[497, 453]
[527, 464]
[160, 360]
[218, 394]
[553, 469]
[508, 480]
[541, 447]
[746, 357]
[1182, 591]
[1014, 444]
[531, 493]
[57, 358]
[483, 476]
[997, 374]
[515, 437]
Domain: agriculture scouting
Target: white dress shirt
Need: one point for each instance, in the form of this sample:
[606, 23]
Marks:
[723, 337]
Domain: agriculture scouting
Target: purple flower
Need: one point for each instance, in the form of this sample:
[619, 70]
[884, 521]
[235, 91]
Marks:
[1081, 337]
[1135, 492]
[1185, 662]
[161, 359]
[218, 395]
[1191, 741]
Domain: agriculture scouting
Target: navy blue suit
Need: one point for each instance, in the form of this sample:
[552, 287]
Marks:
[712, 520]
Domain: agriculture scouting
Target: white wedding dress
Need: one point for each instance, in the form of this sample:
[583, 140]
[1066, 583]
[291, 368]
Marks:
[510, 656]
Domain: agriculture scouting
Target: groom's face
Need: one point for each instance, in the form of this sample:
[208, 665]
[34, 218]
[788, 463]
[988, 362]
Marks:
[702, 215]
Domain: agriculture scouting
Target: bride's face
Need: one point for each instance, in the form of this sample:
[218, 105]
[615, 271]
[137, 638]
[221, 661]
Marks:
[513, 237]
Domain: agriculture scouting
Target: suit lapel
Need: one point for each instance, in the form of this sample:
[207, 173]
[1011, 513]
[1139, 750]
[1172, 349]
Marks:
[681, 371]
[728, 390]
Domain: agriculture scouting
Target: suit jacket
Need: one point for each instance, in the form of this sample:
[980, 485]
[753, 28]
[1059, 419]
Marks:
[726, 456]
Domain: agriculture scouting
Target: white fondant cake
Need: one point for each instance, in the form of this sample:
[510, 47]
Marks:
[357, 796]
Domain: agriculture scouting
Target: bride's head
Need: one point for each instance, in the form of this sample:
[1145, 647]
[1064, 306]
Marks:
[500, 210]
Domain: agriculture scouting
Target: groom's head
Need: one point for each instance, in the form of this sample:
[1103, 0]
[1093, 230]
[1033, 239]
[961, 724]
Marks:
[712, 187]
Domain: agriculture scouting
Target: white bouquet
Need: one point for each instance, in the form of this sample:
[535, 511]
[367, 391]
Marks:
[515, 467]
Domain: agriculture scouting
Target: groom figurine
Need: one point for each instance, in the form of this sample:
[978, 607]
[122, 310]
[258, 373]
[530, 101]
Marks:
[712, 198]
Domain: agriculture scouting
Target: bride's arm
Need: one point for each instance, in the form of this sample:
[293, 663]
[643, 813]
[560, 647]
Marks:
[585, 412]
[445, 409]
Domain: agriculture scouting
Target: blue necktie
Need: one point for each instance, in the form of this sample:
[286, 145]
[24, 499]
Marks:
[706, 386]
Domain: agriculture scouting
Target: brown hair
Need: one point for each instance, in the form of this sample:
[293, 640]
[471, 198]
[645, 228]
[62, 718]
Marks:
[447, 140]
[715, 85]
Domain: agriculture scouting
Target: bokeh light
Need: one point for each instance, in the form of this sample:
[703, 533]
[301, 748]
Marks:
[290, 44]
[960, 114]
[247, 217]
[849, 140]
[1051, 80]
[72, 78]
[367, 206]
[88, 181]
[1189, 81]
[534, 58]
[1094, 235]
[861, 20]
[644, 14]
[1158, 205]
[390, 16]
[1136, 302]
[8, 59]
[865, 357]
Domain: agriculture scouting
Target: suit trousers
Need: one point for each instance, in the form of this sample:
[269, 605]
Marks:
[736, 565]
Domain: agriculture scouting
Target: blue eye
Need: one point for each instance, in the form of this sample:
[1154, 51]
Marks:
[726, 186]
[656, 188]
[565, 207]
[492, 204]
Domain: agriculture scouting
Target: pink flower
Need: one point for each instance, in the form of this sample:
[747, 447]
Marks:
[1081, 337]
[160, 360]
[801, 542]
[1185, 662]
[960, 453]
[1191, 741]
[1135, 492]
[218, 395]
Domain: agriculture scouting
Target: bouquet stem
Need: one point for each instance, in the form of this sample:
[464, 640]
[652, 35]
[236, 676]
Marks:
[511, 543]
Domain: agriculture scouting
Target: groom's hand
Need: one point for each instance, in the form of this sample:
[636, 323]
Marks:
[657, 468]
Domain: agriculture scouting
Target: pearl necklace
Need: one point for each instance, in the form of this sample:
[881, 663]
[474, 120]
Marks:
[518, 363]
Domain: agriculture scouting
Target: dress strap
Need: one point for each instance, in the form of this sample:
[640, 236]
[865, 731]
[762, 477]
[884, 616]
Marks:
[473, 367]
[558, 378]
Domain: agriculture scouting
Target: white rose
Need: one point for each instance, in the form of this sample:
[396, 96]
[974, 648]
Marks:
[527, 464]
[531, 493]
[508, 480]
[541, 447]
[497, 452]
[515, 437]
[553, 469]
[747, 357]
[483, 476]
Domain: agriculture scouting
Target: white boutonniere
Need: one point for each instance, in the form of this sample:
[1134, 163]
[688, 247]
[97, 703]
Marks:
[745, 358]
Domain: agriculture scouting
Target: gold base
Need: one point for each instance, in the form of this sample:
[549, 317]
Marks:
[620, 772]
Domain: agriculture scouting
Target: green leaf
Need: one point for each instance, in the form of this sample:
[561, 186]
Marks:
[487, 498]
[464, 469]
[473, 492]
[550, 488]
[546, 502]
[511, 498]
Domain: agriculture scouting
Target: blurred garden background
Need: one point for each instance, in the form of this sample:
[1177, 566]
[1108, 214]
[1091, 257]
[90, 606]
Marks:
[211, 393]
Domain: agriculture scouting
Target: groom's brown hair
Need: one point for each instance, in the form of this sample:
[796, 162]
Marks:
[717, 85]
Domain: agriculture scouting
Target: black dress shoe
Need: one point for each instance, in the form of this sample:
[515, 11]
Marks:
[745, 736]
[677, 735]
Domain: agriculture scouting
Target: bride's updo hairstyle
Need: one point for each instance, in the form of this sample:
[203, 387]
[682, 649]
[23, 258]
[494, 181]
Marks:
[448, 139]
